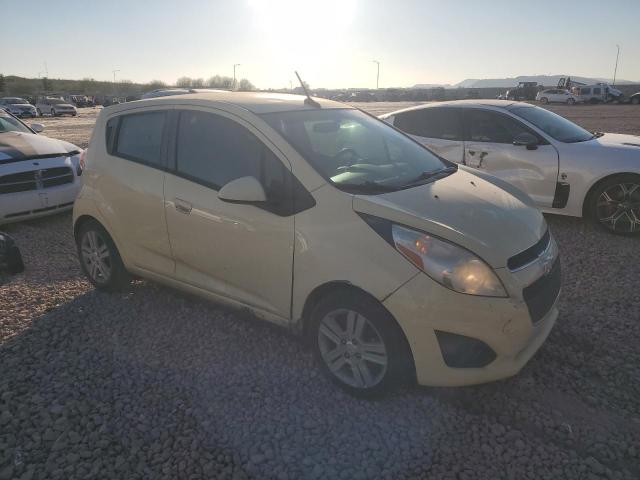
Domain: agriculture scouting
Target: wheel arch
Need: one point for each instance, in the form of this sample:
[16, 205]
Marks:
[592, 189]
[301, 326]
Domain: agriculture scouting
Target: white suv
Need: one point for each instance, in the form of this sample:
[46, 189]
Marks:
[394, 262]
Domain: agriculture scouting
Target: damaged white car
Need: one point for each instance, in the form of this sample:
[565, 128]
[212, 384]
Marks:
[38, 175]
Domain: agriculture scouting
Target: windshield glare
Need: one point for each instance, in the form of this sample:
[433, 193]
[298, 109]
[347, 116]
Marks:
[353, 150]
[10, 124]
[552, 124]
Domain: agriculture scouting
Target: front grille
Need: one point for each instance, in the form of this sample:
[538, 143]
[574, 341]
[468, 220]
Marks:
[541, 294]
[530, 254]
[35, 179]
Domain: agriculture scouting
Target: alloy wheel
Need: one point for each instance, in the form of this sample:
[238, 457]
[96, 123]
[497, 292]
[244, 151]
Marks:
[352, 348]
[618, 207]
[96, 257]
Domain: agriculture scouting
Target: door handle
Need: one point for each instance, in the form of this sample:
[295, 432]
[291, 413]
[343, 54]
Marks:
[182, 206]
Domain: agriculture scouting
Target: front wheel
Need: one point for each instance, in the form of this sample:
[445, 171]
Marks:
[100, 259]
[53, 112]
[571, 101]
[615, 205]
[359, 345]
[544, 100]
[635, 101]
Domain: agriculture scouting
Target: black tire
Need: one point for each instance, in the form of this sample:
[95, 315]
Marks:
[39, 112]
[52, 112]
[544, 100]
[399, 368]
[570, 101]
[619, 214]
[118, 277]
[635, 101]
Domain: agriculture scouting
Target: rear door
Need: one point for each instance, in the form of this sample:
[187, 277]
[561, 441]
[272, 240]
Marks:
[489, 137]
[132, 183]
[438, 128]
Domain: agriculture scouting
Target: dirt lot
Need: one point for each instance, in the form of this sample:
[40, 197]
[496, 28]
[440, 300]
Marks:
[152, 383]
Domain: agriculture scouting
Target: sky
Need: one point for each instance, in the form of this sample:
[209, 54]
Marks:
[332, 43]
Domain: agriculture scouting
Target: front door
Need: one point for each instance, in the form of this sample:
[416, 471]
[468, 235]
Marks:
[238, 251]
[489, 147]
[437, 128]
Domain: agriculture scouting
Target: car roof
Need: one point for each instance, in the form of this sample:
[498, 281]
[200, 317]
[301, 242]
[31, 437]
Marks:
[256, 102]
[462, 104]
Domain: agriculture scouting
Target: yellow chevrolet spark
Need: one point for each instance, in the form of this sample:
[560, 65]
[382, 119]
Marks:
[395, 263]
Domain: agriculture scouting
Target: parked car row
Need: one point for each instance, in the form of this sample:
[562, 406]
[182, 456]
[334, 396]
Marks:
[44, 106]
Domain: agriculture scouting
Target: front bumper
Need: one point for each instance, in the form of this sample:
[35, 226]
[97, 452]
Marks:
[423, 307]
[15, 207]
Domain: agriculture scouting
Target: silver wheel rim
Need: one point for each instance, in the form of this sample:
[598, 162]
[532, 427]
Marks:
[95, 256]
[352, 348]
[618, 208]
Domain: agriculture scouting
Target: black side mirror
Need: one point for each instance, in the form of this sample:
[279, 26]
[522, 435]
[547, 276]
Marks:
[526, 139]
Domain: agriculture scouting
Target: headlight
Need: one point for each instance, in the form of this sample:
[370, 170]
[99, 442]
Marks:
[448, 264]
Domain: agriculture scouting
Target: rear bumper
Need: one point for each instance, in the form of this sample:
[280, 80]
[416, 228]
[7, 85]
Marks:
[422, 307]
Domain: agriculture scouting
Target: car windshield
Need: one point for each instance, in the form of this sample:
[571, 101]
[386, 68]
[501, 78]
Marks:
[14, 100]
[552, 124]
[10, 124]
[356, 152]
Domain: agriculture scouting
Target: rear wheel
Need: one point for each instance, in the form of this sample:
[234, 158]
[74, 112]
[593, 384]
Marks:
[53, 112]
[359, 345]
[635, 100]
[100, 259]
[571, 101]
[544, 100]
[39, 112]
[615, 204]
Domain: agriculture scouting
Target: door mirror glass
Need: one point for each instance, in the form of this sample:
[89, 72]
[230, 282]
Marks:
[243, 190]
[37, 127]
[526, 139]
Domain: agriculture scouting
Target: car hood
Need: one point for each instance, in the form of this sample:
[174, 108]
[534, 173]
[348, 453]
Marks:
[618, 140]
[18, 146]
[470, 210]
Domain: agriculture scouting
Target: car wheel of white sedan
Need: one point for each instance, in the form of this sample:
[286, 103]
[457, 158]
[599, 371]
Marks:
[544, 100]
[616, 205]
[358, 344]
[99, 257]
[570, 101]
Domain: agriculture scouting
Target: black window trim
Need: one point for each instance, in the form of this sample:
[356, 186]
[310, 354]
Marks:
[112, 148]
[466, 132]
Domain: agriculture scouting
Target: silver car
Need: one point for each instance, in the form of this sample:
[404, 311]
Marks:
[564, 168]
[55, 107]
[18, 107]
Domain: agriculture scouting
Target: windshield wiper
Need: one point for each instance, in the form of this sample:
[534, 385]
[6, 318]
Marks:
[426, 177]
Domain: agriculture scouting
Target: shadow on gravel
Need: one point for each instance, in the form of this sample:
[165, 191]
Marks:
[152, 383]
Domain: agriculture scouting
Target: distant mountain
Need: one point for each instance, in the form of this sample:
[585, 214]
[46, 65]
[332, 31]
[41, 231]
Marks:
[546, 80]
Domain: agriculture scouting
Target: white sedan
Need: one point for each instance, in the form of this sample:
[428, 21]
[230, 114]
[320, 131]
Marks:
[564, 168]
[557, 96]
[38, 175]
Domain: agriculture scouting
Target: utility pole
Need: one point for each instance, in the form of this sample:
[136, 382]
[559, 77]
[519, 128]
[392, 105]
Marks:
[234, 75]
[378, 74]
[46, 70]
[114, 75]
[615, 70]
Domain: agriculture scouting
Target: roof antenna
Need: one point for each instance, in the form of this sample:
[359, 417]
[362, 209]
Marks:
[308, 100]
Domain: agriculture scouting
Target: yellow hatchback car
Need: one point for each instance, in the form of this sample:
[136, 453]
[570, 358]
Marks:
[395, 263]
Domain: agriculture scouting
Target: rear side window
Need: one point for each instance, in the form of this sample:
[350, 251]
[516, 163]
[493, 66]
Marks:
[139, 137]
[486, 126]
[438, 122]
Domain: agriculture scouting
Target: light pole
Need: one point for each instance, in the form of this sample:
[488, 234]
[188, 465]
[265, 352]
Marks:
[234, 74]
[114, 75]
[377, 74]
[615, 70]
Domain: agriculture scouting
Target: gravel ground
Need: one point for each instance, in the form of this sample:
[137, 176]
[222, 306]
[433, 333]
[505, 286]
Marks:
[152, 383]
